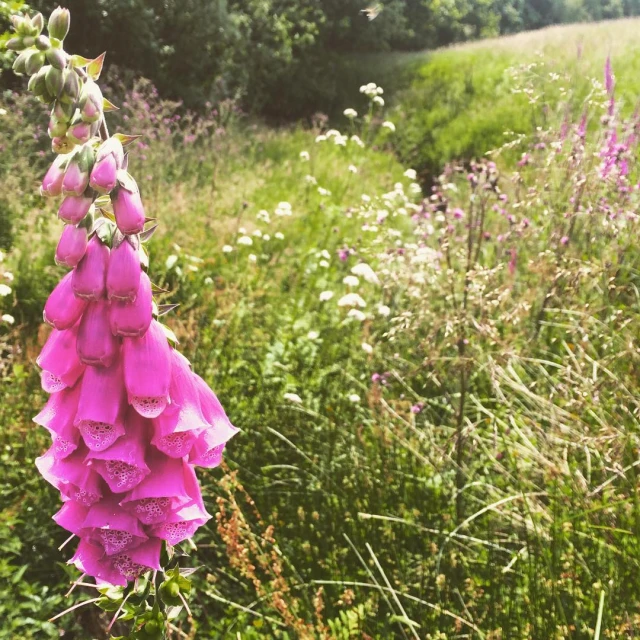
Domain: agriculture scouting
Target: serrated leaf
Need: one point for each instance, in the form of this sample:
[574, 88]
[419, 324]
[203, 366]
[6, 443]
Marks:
[79, 61]
[163, 309]
[94, 68]
[126, 181]
[147, 234]
[171, 337]
[125, 139]
[107, 106]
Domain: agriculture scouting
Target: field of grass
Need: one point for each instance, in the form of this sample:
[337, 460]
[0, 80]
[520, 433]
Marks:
[461, 102]
[450, 453]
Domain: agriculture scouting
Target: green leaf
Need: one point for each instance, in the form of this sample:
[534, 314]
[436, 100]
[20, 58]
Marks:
[125, 139]
[94, 68]
[163, 309]
[79, 61]
[108, 106]
[147, 234]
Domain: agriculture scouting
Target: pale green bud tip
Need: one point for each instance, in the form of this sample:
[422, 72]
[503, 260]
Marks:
[59, 23]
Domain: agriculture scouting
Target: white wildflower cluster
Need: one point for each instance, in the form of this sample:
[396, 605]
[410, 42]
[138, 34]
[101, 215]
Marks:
[371, 90]
[350, 113]
[304, 156]
[283, 209]
[5, 290]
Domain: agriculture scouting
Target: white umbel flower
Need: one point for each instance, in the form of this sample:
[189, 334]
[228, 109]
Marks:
[351, 300]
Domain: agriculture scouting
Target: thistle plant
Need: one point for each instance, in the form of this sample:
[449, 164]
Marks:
[129, 419]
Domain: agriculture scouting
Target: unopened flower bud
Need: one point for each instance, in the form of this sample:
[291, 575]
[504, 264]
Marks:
[15, 44]
[75, 180]
[90, 103]
[128, 209]
[38, 22]
[76, 177]
[72, 245]
[123, 273]
[57, 129]
[63, 309]
[43, 43]
[74, 208]
[80, 132]
[71, 87]
[133, 318]
[54, 82]
[62, 145]
[34, 62]
[109, 158]
[59, 23]
[56, 58]
[89, 277]
[28, 41]
[96, 345]
[52, 181]
[63, 112]
[19, 64]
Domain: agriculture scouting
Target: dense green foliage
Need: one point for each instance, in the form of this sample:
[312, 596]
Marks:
[283, 58]
[458, 457]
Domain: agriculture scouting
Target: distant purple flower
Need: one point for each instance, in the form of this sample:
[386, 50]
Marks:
[564, 240]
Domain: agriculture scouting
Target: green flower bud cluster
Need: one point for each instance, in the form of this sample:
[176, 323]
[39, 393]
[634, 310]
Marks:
[64, 82]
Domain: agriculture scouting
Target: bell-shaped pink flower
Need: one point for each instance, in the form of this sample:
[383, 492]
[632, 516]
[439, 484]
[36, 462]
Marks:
[163, 491]
[72, 245]
[52, 181]
[63, 309]
[79, 133]
[184, 413]
[104, 175]
[71, 476]
[128, 210]
[123, 274]
[97, 346]
[132, 319]
[72, 516]
[118, 570]
[101, 407]
[144, 557]
[90, 276]
[187, 519]
[58, 417]
[113, 527]
[147, 371]
[76, 180]
[123, 464]
[175, 445]
[211, 408]
[74, 208]
[91, 559]
[208, 448]
[59, 360]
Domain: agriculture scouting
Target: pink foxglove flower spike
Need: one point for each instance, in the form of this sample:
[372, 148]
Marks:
[128, 418]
